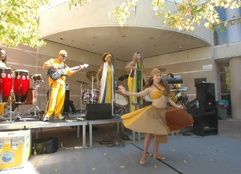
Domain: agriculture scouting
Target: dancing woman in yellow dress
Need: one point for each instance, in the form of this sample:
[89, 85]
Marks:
[156, 119]
[135, 79]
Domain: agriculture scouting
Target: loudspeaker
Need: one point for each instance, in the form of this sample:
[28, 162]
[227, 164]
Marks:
[98, 111]
[205, 122]
[66, 101]
[206, 95]
[199, 80]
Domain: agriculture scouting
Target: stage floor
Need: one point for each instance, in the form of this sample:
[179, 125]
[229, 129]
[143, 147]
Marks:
[185, 154]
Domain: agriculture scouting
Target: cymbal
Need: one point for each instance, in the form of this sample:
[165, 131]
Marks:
[124, 77]
[82, 82]
[91, 74]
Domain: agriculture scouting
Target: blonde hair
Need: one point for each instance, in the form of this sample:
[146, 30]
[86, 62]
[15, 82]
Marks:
[134, 56]
[155, 71]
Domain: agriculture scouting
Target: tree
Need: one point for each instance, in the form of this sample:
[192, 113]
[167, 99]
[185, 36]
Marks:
[19, 22]
[19, 18]
[189, 13]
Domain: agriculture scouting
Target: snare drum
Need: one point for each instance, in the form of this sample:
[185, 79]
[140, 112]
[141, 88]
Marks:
[86, 95]
[120, 102]
[5, 84]
[21, 85]
[96, 94]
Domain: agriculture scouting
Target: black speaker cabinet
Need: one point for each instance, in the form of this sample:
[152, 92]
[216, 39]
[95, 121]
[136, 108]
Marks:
[206, 95]
[66, 102]
[205, 122]
[98, 111]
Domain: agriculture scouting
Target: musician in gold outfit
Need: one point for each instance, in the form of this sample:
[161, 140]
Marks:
[135, 79]
[57, 87]
[105, 80]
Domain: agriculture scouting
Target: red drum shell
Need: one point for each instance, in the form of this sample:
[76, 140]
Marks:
[5, 84]
[21, 85]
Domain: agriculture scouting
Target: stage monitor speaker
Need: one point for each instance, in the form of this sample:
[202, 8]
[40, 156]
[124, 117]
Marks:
[206, 95]
[98, 111]
[205, 123]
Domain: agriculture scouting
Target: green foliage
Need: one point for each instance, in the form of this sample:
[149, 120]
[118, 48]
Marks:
[188, 15]
[19, 22]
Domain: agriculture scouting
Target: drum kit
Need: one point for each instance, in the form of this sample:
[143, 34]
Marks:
[88, 95]
[14, 86]
[92, 95]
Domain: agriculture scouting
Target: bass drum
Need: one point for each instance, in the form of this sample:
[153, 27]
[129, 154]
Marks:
[86, 95]
[121, 102]
[95, 95]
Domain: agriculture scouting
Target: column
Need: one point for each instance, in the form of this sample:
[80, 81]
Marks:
[235, 80]
[233, 31]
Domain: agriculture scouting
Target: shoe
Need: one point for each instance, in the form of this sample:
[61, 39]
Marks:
[46, 118]
[59, 118]
[143, 159]
[158, 157]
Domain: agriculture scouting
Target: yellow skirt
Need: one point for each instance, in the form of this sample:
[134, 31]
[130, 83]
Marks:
[157, 121]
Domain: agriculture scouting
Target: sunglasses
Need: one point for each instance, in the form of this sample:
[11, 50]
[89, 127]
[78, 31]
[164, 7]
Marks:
[64, 56]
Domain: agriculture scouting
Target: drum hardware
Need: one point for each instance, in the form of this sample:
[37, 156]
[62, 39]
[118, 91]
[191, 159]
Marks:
[35, 101]
[37, 78]
[91, 74]
[82, 94]
[123, 78]
[121, 103]
[92, 88]
[82, 82]
[180, 96]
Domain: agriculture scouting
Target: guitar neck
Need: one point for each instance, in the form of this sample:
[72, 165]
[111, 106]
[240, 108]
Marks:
[80, 66]
[75, 68]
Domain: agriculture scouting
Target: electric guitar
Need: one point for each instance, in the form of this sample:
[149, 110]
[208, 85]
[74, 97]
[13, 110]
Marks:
[55, 75]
